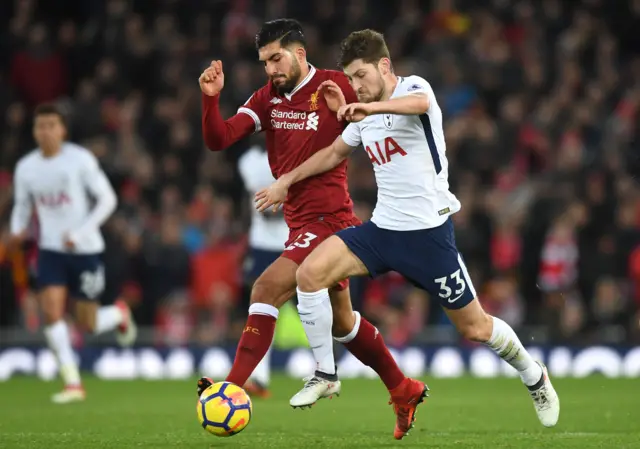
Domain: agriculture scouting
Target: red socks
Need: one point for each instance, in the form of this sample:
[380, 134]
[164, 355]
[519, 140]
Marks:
[254, 344]
[368, 347]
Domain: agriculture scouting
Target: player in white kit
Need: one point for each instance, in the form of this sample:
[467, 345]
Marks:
[399, 124]
[58, 179]
[267, 235]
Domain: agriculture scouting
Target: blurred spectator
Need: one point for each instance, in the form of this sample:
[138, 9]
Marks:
[541, 103]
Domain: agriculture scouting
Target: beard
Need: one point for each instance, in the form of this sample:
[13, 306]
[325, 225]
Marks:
[378, 96]
[372, 95]
[291, 81]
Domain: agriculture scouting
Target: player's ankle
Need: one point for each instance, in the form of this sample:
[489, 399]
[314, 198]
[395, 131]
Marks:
[327, 376]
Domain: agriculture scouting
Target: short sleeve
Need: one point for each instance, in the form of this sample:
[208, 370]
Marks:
[351, 135]
[256, 107]
[416, 85]
[349, 94]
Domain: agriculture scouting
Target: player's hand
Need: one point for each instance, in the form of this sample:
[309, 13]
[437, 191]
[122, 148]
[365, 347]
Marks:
[15, 241]
[354, 112]
[332, 95]
[273, 196]
[212, 79]
[69, 243]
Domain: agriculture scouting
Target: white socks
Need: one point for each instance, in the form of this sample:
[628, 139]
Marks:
[506, 344]
[59, 341]
[262, 373]
[317, 319]
[108, 318]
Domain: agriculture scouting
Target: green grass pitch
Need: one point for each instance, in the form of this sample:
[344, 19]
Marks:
[461, 413]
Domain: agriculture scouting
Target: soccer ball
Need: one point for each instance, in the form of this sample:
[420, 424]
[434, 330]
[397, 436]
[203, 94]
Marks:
[224, 409]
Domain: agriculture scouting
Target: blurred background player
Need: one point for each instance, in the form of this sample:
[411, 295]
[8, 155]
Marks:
[298, 121]
[267, 234]
[399, 123]
[58, 178]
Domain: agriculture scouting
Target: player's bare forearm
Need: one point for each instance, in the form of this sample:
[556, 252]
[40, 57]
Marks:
[414, 104]
[219, 133]
[322, 161]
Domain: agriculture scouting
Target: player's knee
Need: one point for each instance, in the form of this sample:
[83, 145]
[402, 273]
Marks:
[51, 311]
[269, 291]
[260, 292]
[478, 330]
[343, 323]
[88, 326]
[310, 277]
[51, 318]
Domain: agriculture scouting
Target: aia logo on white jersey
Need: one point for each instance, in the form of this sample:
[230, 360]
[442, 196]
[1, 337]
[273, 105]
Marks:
[380, 153]
[53, 200]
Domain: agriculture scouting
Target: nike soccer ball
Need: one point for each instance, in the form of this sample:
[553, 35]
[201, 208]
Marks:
[224, 409]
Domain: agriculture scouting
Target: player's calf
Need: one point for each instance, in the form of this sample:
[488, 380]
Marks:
[56, 332]
[272, 289]
[476, 325]
[327, 265]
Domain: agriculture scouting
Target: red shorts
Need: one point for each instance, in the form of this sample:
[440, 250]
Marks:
[305, 239]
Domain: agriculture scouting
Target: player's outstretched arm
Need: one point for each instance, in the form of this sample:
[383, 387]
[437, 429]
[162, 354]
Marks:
[413, 104]
[218, 133]
[322, 161]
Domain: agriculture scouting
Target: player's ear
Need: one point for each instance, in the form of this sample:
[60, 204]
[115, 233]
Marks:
[301, 53]
[384, 66]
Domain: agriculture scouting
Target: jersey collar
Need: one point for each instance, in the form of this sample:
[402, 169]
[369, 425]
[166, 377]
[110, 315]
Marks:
[305, 81]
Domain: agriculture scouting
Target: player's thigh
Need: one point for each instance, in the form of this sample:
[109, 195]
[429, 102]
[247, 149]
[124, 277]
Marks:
[331, 262]
[86, 285]
[277, 284]
[430, 259]
[51, 281]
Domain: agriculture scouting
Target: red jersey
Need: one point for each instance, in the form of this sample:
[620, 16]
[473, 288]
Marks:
[297, 125]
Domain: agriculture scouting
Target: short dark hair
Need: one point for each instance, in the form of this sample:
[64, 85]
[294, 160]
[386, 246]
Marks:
[287, 31]
[368, 45]
[50, 109]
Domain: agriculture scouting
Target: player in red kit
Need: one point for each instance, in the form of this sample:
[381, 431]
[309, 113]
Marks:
[298, 120]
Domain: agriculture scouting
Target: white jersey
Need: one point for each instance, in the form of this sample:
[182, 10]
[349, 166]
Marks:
[268, 231]
[59, 187]
[409, 161]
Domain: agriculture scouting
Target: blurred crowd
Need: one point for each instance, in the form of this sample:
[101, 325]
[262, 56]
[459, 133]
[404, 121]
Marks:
[541, 105]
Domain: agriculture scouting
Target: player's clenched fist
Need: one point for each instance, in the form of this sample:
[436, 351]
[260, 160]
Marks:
[212, 79]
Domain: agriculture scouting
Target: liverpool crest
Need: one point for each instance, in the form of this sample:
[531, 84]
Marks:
[313, 102]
